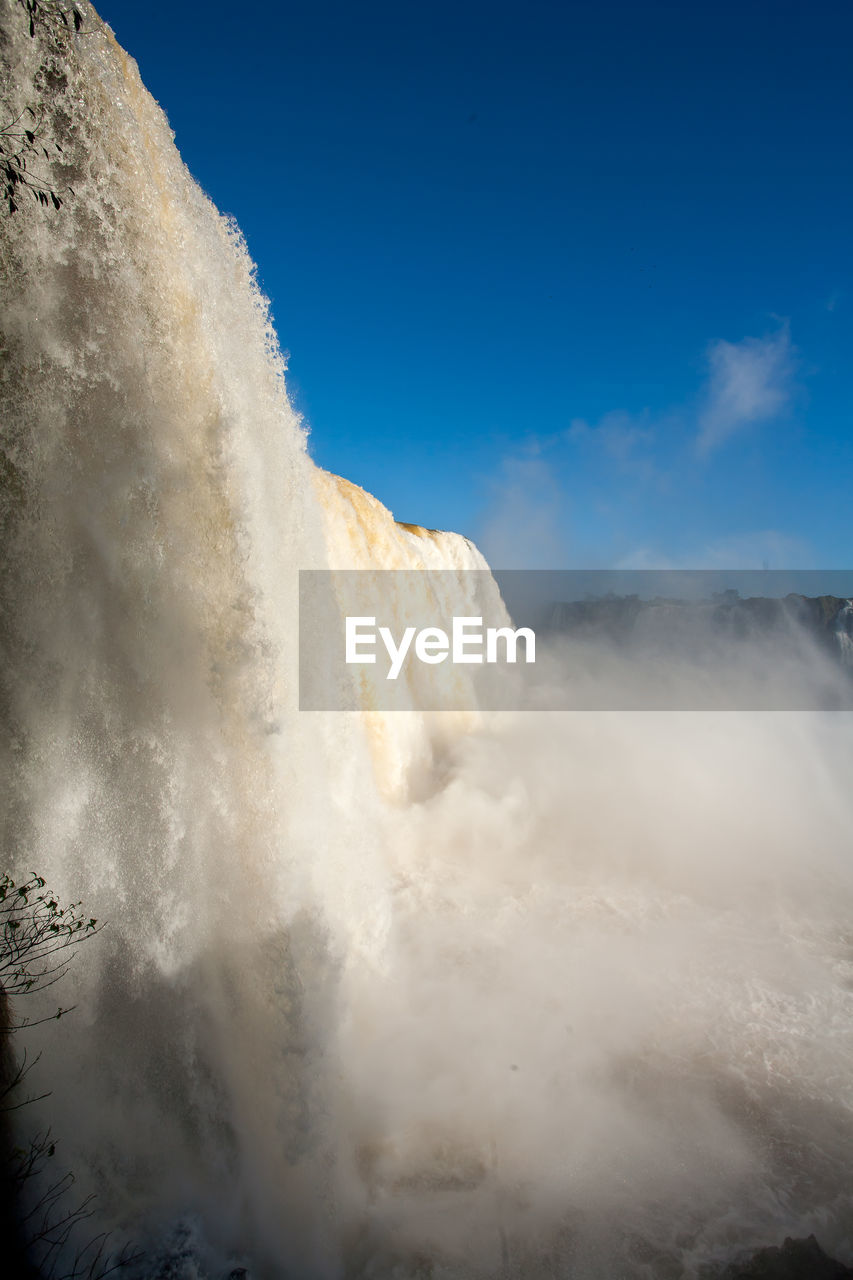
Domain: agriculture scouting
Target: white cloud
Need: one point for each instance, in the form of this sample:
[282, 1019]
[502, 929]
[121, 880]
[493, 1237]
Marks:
[749, 381]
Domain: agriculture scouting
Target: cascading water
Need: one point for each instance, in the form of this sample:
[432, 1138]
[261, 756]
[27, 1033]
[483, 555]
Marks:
[844, 633]
[576, 1003]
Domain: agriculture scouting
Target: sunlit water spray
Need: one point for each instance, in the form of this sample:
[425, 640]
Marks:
[528, 996]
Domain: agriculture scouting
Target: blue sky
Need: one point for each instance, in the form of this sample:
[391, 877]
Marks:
[572, 279]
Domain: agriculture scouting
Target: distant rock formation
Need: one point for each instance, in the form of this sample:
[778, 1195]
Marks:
[625, 620]
[796, 1260]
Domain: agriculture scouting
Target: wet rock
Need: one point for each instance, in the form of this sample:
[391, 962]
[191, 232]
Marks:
[795, 1260]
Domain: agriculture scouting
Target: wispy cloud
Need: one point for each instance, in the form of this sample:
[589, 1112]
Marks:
[620, 467]
[748, 382]
[624, 437]
[619, 434]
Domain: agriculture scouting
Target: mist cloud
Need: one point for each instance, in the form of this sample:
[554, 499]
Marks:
[751, 549]
[522, 527]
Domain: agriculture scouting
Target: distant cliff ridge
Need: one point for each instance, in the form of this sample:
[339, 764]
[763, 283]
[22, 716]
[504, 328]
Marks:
[628, 621]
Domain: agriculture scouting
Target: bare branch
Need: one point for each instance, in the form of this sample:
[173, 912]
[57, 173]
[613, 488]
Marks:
[34, 930]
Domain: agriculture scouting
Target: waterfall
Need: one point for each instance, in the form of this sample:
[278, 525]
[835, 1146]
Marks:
[378, 995]
[843, 631]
